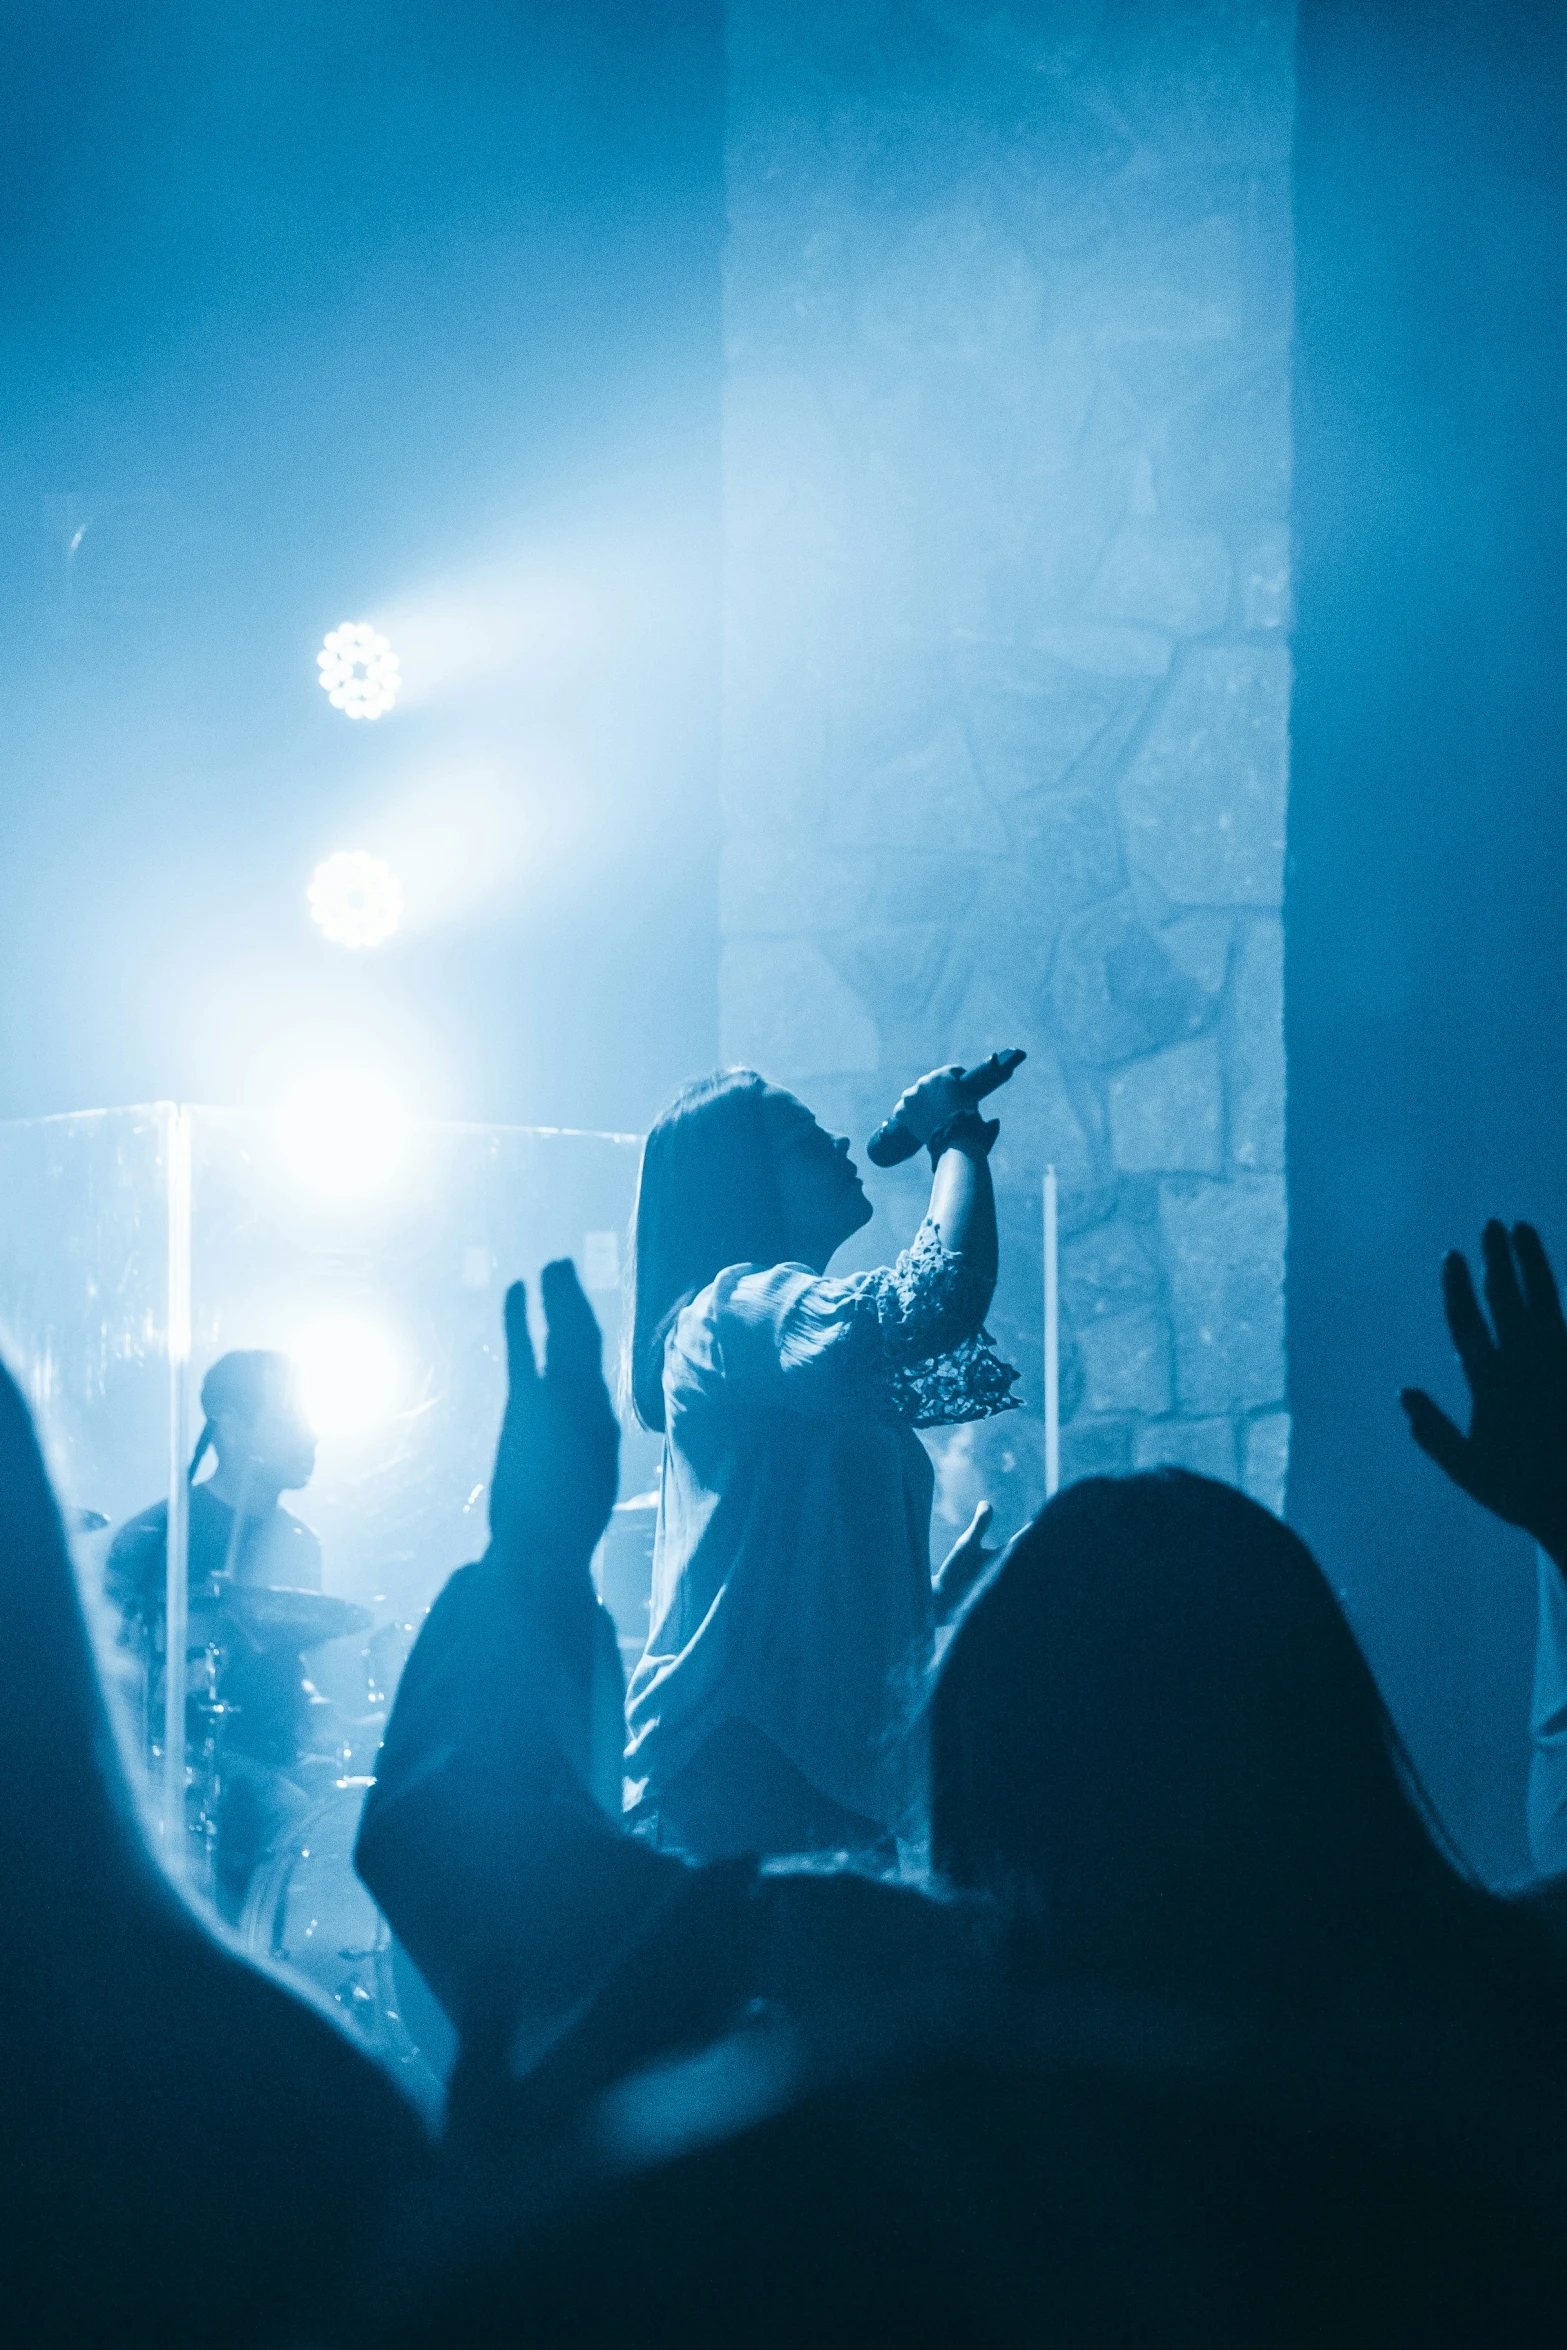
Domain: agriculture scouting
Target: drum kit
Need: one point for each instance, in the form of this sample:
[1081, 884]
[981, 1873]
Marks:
[298, 1904]
[303, 1908]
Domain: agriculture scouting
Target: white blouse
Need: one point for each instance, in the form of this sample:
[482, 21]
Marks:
[791, 1564]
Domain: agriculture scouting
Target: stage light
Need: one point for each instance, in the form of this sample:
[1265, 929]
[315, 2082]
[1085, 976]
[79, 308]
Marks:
[356, 899]
[350, 1374]
[343, 1132]
[359, 672]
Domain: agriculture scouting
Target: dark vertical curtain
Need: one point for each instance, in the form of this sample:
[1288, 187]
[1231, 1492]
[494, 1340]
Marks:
[1427, 893]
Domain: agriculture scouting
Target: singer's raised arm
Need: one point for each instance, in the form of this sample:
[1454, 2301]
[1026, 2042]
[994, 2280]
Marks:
[963, 1201]
[820, 1345]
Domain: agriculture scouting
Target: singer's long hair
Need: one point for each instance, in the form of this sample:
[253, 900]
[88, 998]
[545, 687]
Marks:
[707, 1197]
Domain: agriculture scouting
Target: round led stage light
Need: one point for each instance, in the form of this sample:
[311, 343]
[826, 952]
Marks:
[356, 899]
[359, 672]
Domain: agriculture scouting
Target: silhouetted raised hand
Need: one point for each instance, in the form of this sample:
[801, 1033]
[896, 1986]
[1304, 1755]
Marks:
[965, 1563]
[1514, 1459]
[558, 1457]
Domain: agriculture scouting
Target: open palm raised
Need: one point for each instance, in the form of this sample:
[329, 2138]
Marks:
[1514, 1459]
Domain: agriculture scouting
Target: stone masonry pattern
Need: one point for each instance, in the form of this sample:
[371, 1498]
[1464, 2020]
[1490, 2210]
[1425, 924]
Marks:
[1006, 678]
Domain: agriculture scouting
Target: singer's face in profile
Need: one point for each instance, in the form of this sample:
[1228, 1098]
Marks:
[819, 1186]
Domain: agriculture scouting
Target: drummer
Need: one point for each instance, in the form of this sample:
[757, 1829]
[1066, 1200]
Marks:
[263, 1446]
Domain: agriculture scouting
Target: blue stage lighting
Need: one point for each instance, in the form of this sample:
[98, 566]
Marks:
[344, 1132]
[350, 1374]
[359, 672]
[356, 899]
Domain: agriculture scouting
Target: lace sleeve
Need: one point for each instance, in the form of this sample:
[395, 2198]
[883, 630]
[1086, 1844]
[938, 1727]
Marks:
[941, 1364]
[905, 1342]
[927, 1303]
[970, 1383]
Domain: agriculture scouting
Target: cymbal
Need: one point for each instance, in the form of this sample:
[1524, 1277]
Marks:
[277, 1616]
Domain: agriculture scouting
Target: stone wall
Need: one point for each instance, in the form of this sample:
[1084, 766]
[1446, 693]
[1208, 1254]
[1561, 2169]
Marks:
[1006, 688]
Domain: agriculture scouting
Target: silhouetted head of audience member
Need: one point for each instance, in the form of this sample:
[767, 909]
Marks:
[1155, 1729]
[147, 2071]
[69, 1835]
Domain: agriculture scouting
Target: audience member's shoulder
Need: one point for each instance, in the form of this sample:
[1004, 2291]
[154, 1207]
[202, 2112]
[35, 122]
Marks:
[845, 1932]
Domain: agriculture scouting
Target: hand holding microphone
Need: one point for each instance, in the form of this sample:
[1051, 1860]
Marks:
[943, 1094]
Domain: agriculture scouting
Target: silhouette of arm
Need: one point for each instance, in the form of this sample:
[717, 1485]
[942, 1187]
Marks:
[485, 1837]
[480, 1840]
[1513, 1461]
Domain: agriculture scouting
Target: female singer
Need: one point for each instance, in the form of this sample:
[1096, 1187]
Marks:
[792, 1614]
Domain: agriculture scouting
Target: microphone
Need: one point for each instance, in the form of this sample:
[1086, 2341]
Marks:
[892, 1142]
